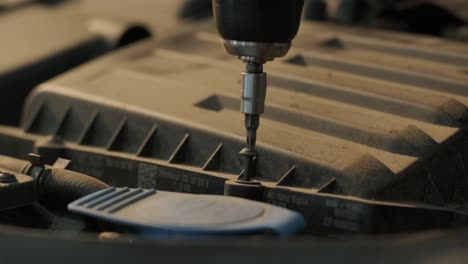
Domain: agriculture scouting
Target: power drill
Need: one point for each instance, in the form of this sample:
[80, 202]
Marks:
[256, 31]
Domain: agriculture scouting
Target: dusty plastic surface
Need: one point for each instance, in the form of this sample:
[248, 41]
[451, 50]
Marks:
[355, 119]
[435, 58]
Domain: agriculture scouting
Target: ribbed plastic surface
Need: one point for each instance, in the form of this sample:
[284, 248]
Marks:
[349, 112]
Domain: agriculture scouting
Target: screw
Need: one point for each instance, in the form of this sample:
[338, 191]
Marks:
[250, 163]
[6, 177]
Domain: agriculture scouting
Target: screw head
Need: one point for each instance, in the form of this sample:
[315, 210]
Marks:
[6, 177]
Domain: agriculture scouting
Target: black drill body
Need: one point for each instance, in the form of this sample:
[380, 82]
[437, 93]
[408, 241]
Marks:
[267, 21]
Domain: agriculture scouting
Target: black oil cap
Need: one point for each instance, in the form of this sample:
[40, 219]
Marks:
[258, 20]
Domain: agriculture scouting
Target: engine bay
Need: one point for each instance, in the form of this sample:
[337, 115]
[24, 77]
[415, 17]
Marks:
[116, 129]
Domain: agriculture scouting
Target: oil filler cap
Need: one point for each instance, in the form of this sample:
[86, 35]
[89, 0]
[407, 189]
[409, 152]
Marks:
[154, 213]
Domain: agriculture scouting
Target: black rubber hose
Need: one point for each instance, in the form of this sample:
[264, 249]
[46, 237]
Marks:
[59, 187]
[56, 187]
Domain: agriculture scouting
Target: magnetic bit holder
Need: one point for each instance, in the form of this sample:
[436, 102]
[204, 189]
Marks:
[253, 94]
[254, 85]
[253, 104]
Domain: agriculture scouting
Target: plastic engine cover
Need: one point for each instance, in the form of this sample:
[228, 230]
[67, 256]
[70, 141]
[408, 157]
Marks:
[153, 213]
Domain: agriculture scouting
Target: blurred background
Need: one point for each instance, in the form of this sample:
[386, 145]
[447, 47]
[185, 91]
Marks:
[447, 18]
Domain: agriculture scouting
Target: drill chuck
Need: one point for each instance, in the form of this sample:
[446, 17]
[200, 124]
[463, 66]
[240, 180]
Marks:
[257, 30]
